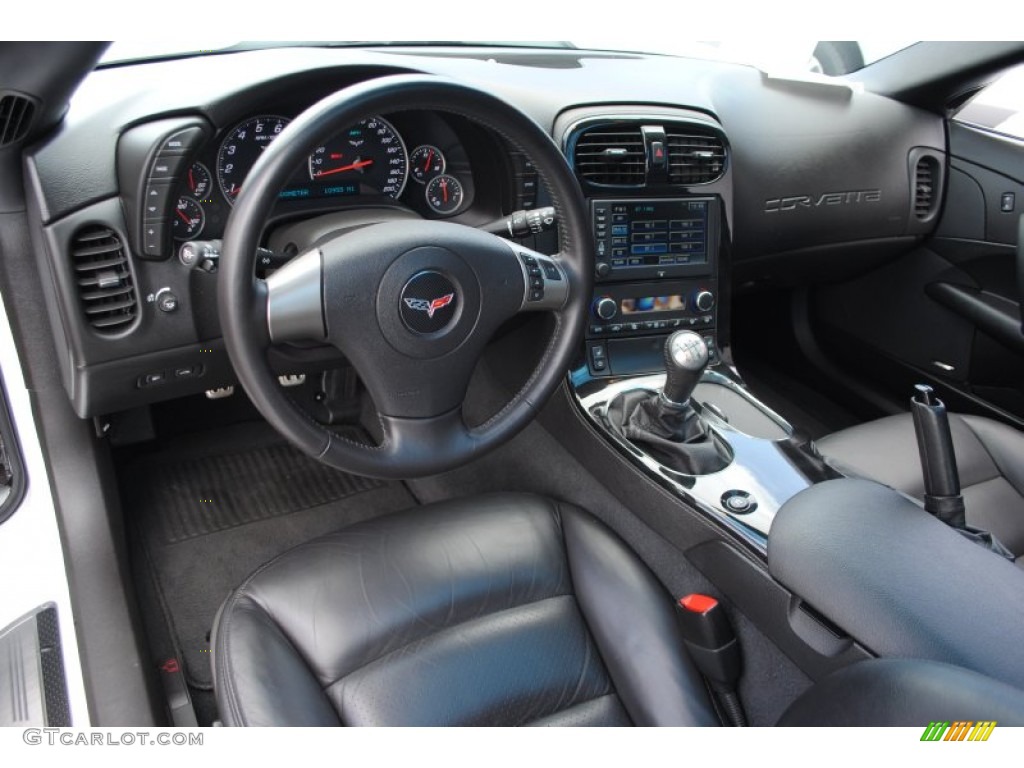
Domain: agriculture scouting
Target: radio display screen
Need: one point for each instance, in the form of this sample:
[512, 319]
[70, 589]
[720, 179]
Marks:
[648, 233]
[652, 304]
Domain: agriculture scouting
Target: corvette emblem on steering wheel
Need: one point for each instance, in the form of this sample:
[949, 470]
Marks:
[429, 302]
[430, 306]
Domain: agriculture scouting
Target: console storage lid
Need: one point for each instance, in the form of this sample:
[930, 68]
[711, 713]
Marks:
[899, 581]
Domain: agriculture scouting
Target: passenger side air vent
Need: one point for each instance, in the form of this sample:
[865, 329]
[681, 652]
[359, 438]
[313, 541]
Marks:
[611, 155]
[16, 113]
[694, 156]
[926, 177]
[103, 279]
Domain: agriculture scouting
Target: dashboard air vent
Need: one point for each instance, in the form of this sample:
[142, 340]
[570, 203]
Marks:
[694, 156]
[612, 155]
[16, 113]
[926, 174]
[103, 279]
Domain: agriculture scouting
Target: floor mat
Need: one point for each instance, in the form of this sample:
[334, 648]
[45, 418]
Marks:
[207, 518]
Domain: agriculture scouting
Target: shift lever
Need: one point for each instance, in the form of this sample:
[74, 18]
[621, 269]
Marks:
[665, 425]
[686, 357]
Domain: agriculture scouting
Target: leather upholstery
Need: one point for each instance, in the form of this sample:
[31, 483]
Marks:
[989, 457]
[905, 692]
[498, 610]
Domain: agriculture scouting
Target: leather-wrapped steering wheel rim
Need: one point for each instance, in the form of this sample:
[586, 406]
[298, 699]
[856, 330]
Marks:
[483, 270]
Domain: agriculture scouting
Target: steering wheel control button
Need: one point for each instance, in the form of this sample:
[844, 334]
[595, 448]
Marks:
[738, 502]
[428, 302]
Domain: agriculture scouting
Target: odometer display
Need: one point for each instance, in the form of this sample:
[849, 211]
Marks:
[241, 149]
[369, 156]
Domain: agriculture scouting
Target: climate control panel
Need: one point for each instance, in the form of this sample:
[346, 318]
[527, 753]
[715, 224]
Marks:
[629, 322]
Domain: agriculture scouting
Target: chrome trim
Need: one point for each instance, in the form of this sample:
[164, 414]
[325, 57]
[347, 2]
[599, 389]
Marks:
[295, 310]
[771, 471]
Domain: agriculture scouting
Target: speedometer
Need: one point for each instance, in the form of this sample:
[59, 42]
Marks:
[241, 149]
[370, 154]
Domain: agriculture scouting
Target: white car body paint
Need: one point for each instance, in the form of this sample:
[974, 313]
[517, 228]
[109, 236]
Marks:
[32, 567]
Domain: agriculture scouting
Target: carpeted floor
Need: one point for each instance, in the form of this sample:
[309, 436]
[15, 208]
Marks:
[208, 515]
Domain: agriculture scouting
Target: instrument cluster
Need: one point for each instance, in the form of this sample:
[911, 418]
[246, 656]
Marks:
[373, 159]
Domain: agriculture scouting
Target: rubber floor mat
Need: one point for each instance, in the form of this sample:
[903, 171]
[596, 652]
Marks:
[208, 518]
[198, 497]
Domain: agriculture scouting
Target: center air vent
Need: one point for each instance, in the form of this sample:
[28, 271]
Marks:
[694, 156]
[611, 155]
[926, 175]
[103, 279]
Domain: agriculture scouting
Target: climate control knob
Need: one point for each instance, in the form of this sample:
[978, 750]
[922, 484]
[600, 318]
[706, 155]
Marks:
[704, 301]
[606, 308]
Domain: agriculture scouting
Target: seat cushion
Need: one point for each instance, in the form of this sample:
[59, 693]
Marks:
[497, 610]
[989, 457]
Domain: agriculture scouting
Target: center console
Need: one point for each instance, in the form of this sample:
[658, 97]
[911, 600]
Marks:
[656, 271]
[659, 190]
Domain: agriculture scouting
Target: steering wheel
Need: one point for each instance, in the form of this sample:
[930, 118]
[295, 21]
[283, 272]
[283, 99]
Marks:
[411, 304]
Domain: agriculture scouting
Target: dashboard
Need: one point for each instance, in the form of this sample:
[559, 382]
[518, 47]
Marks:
[700, 178]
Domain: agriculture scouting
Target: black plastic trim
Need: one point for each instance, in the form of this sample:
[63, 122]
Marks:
[997, 316]
[16, 465]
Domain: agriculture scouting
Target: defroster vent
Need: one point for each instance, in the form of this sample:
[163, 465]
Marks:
[103, 279]
[694, 157]
[612, 155]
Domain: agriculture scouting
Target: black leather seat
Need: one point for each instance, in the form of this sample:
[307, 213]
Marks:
[501, 610]
[989, 456]
[509, 610]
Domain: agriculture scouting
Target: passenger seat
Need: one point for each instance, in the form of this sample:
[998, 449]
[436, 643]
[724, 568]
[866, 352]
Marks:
[989, 456]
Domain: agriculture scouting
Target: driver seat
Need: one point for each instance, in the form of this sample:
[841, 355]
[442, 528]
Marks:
[507, 610]
[499, 610]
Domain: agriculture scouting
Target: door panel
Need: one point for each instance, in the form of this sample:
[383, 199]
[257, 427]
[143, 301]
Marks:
[949, 311]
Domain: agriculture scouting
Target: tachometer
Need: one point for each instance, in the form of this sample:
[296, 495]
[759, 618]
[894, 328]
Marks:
[241, 148]
[370, 153]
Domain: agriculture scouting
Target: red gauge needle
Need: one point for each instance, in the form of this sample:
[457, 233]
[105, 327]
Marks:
[430, 156]
[444, 189]
[184, 218]
[191, 181]
[349, 167]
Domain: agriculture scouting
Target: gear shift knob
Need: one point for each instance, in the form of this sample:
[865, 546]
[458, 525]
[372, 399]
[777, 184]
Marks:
[686, 357]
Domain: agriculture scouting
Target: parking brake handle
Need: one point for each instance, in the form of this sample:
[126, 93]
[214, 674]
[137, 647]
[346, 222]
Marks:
[938, 462]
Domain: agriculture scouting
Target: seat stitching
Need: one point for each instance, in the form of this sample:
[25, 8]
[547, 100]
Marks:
[442, 631]
[610, 694]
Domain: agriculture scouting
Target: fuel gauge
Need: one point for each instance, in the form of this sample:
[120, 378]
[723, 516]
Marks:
[426, 162]
[444, 194]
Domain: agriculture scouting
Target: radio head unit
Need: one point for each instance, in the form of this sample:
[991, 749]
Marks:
[637, 238]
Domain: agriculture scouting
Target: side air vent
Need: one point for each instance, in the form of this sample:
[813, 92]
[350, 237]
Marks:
[16, 113]
[926, 177]
[103, 278]
[611, 155]
[694, 157]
